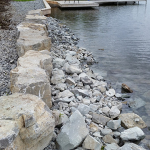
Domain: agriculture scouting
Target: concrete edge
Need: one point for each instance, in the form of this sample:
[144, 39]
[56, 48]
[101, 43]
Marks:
[47, 9]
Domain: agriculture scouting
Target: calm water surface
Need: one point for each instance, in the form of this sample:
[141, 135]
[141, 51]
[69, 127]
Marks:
[119, 38]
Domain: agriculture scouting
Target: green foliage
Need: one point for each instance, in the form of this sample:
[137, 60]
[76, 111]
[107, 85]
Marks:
[60, 115]
[102, 148]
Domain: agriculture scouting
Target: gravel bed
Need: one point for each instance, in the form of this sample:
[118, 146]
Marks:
[11, 14]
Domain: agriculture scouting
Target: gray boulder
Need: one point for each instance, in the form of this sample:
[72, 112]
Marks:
[114, 112]
[73, 132]
[112, 146]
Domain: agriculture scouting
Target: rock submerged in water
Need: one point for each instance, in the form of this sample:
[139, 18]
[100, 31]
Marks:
[126, 88]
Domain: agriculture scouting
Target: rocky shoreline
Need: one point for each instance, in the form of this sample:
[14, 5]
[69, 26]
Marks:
[86, 109]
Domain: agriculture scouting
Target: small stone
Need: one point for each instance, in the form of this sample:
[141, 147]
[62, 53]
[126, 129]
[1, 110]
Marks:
[116, 134]
[70, 81]
[97, 134]
[114, 124]
[131, 146]
[93, 107]
[126, 88]
[86, 101]
[110, 92]
[106, 131]
[106, 110]
[98, 118]
[114, 112]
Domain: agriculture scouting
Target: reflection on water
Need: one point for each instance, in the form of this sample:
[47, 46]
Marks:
[119, 37]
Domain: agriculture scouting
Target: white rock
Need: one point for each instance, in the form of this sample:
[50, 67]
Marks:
[114, 124]
[58, 62]
[86, 101]
[114, 112]
[110, 92]
[112, 146]
[71, 69]
[70, 81]
[134, 133]
[131, 146]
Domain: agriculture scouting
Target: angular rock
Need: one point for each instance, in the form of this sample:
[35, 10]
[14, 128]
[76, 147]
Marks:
[86, 80]
[114, 124]
[65, 93]
[84, 93]
[32, 77]
[129, 120]
[26, 122]
[98, 118]
[134, 133]
[32, 36]
[73, 132]
[57, 76]
[131, 146]
[84, 109]
[72, 60]
[58, 62]
[70, 81]
[109, 139]
[91, 143]
[61, 86]
[114, 112]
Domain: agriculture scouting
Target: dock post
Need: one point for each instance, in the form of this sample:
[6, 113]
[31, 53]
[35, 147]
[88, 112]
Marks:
[138, 2]
[117, 3]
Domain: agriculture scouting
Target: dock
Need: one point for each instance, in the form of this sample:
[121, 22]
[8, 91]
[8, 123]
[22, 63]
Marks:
[87, 4]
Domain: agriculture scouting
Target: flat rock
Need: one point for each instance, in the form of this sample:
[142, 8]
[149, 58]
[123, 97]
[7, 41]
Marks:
[58, 62]
[134, 133]
[91, 143]
[25, 122]
[73, 132]
[129, 120]
[98, 118]
[84, 93]
[70, 81]
[86, 80]
[106, 131]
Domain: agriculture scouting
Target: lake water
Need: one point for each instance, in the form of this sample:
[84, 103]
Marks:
[119, 38]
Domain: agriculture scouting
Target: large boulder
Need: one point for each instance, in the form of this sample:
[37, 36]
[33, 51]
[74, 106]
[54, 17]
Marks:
[32, 76]
[130, 120]
[32, 36]
[73, 132]
[25, 122]
[134, 133]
